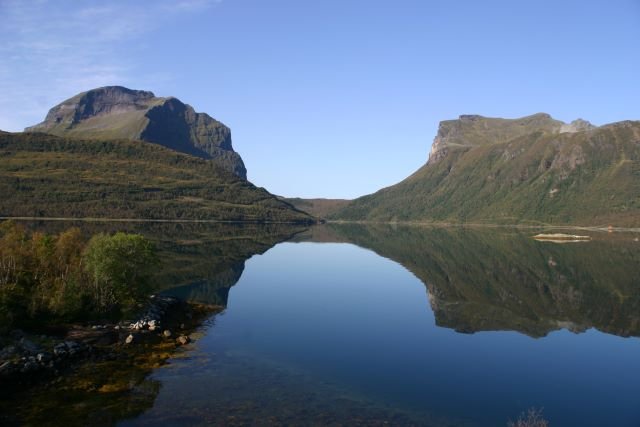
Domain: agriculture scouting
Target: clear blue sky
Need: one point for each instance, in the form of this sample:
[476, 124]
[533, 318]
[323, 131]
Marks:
[332, 98]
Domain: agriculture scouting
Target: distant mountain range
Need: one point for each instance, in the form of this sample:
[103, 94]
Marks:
[320, 208]
[532, 170]
[116, 151]
[113, 152]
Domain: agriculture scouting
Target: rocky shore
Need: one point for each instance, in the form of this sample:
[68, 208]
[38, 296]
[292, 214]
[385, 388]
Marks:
[27, 359]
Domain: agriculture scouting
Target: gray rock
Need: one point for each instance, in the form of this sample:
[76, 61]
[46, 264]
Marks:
[29, 366]
[29, 346]
[43, 357]
[73, 347]
[129, 339]
[60, 350]
[578, 125]
[8, 352]
[167, 333]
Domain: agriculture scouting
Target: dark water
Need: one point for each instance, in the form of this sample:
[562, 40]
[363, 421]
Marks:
[353, 325]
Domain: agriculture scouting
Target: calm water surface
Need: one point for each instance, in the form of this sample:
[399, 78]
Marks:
[333, 332]
[354, 325]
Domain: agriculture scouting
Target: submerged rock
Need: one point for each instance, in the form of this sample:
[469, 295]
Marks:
[183, 340]
[44, 357]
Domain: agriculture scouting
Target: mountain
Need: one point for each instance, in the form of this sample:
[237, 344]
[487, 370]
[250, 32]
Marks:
[529, 170]
[43, 175]
[320, 208]
[115, 112]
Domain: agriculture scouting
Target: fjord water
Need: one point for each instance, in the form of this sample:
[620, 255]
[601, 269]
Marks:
[447, 327]
[356, 325]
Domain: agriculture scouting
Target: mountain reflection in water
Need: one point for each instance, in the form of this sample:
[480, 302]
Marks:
[281, 351]
[502, 279]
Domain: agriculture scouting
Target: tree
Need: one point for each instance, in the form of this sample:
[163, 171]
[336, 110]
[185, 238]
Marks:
[119, 267]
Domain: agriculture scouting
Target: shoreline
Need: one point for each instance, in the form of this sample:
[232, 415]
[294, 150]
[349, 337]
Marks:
[598, 228]
[320, 221]
[31, 359]
[144, 220]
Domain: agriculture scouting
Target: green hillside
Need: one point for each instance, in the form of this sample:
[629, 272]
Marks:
[47, 176]
[531, 170]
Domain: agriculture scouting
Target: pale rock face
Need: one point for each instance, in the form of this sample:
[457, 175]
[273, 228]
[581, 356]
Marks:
[577, 125]
[472, 130]
[438, 152]
[103, 101]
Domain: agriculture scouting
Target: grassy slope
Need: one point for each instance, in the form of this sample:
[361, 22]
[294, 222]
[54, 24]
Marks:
[585, 178]
[47, 176]
[126, 125]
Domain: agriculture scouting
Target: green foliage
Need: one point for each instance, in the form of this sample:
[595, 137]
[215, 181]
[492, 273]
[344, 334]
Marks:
[46, 276]
[541, 177]
[119, 267]
[47, 176]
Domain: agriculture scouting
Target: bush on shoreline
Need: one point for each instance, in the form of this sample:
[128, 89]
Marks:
[65, 278]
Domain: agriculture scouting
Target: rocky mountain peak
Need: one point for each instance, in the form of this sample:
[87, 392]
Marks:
[104, 100]
[471, 130]
[578, 125]
[116, 112]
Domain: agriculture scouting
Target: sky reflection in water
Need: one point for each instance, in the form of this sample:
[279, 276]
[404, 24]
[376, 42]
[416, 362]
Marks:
[336, 331]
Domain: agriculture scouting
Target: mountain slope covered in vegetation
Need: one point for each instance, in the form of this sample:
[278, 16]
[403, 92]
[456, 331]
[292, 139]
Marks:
[47, 176]
[530, 170]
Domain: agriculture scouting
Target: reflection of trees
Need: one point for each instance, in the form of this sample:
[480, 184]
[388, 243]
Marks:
[500, 279]
[193, 253]
[202, 261]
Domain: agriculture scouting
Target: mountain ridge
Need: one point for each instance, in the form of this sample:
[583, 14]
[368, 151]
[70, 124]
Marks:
[514, 171]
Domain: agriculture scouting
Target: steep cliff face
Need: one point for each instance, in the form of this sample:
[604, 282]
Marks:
[116, 112]
[529, 170]
[474, 130]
